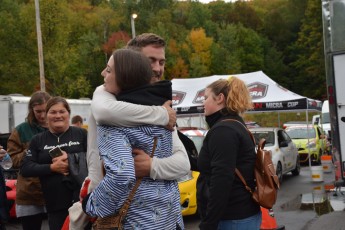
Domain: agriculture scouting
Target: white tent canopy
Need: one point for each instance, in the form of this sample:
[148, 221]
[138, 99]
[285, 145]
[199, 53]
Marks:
[267, 95]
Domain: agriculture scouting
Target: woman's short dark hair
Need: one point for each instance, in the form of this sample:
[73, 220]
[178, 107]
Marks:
[77, 118]
[132, 69]
[55, 100]
[37, 98]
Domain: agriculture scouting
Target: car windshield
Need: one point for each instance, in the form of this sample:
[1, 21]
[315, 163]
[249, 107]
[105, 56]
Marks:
[301, 133]
[268, 135]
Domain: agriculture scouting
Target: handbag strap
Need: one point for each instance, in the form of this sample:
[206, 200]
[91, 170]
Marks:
[238, 173]
[123, 210]
[251, 135]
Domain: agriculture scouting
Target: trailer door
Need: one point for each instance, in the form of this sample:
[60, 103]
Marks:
[4, 115]
[339, 82]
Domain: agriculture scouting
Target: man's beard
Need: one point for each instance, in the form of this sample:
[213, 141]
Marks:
[156, 77]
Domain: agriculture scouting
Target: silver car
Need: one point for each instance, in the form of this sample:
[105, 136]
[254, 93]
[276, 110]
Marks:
[284, 152]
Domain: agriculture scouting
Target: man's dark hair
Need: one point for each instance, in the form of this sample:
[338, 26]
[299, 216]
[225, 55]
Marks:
[76, 119]
[144, 40]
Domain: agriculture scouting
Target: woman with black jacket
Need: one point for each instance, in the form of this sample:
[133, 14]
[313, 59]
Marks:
[223, 201]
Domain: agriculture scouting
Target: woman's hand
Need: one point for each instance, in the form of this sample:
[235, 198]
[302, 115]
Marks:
[142, 163]
[60, 164]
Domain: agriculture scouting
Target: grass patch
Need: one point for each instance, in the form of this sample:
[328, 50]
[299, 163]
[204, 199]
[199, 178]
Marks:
[275, 119]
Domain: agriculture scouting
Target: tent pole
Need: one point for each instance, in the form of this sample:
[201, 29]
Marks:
[278, 119]
[307, 121]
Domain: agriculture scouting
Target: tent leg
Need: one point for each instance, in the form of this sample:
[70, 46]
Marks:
[278, 119]
[307, 121]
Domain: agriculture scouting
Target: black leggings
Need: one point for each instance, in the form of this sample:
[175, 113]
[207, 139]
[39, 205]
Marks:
[57, 219]
[33, 222]
[2, 226]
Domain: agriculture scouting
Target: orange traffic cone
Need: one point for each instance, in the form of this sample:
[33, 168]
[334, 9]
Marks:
[269, 221]
[66, 224]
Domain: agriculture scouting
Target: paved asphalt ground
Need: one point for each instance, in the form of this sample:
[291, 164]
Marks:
[289, 210]
[296, 210]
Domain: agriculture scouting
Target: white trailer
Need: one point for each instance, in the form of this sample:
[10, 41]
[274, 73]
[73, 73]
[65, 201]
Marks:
[14, 110]
[323, 120]
[334, 34]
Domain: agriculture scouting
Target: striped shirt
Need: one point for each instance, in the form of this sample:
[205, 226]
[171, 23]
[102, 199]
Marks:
[156, 204]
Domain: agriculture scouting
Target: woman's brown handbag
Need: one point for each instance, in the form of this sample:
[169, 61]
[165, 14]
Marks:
[116, 221]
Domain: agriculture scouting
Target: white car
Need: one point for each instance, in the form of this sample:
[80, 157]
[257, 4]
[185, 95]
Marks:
[285, 155]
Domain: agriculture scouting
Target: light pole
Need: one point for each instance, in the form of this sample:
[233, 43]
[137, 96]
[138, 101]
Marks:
[39, 44]
[133, 17]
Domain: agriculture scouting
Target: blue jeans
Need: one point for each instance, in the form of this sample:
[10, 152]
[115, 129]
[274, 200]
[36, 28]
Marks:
[250, 223]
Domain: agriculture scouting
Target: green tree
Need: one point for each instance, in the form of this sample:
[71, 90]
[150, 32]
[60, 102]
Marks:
[220, 13]
[247, 47]
[244, 13]
[282, 20]
[61, 56]
[310, 79]
[225, 56]
[18, 49]
[274, 63]
[223, 38]
[198, 15]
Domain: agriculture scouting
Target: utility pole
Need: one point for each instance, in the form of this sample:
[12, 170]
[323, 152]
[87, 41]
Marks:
[39, 45]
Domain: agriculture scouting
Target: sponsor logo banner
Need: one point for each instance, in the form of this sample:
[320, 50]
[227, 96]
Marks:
[177, 97]
[257, 90]
[200, 96]
[278, 105]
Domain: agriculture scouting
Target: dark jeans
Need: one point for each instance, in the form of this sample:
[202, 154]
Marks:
[250, 223]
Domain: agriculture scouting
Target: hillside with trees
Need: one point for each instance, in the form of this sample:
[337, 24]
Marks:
[283, 38]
